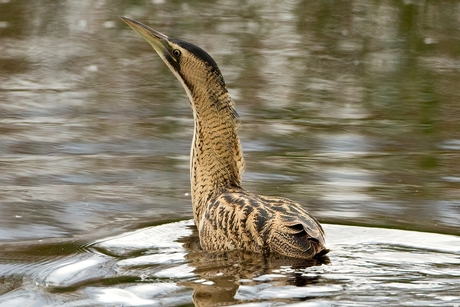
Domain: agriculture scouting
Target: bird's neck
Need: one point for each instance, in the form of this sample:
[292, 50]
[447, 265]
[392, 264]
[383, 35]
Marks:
[216, 156]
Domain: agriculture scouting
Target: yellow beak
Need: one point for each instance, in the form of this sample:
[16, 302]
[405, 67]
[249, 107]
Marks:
[157, 40]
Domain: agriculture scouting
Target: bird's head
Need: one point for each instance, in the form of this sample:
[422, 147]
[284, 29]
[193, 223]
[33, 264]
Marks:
[193, 66]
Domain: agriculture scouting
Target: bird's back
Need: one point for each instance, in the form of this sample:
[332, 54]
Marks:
[239, 220]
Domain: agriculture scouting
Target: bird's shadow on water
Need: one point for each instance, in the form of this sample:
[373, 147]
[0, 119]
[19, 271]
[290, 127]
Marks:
[222, 273]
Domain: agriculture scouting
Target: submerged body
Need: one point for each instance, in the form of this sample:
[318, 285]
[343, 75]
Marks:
[227, 216]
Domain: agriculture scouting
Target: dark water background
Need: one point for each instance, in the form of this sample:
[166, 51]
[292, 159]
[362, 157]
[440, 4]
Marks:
[349, 107]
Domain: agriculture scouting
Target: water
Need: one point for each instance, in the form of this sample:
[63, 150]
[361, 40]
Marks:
[350, 108]
[162, 265]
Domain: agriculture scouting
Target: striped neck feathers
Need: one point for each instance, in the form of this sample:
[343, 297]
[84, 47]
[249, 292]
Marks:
[216, 157]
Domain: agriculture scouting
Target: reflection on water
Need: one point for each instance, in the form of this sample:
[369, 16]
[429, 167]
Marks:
[163, 265]
[350, 108]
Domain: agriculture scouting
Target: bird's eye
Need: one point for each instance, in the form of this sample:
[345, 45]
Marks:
[177, 53]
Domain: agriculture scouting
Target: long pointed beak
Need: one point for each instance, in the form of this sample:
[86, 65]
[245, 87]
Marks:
[157, 40]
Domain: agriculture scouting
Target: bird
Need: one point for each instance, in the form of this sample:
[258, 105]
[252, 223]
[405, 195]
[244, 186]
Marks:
[227, 216]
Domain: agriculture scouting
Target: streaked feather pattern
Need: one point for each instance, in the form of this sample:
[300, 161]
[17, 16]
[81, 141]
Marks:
[237, 219]
[227, 216]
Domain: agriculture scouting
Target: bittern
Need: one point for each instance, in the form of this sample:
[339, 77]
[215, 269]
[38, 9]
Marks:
[227, 216]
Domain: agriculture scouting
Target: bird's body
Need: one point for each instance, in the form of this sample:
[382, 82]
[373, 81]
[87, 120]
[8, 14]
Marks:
[227, 216]
[240, 220]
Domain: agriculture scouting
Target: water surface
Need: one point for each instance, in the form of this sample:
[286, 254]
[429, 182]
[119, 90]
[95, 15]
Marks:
[349, 108]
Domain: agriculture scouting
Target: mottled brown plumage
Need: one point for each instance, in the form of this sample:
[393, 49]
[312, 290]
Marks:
[227, 216]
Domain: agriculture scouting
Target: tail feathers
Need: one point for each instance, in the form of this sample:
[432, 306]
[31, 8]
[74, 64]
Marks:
[295, 241]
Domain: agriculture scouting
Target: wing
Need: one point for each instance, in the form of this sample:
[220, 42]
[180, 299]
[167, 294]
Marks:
[295, 232]
[246, 221]
[234, 221]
